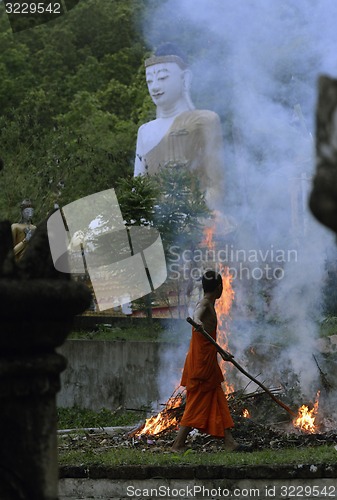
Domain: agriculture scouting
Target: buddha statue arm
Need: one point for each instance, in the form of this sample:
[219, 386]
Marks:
[214, 159]
[139, 168]
[210, 159]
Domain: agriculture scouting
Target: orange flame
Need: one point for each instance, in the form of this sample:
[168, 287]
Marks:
[222, 305]
[305, 420]
[246, 413]
[164, 420]
[208, 240]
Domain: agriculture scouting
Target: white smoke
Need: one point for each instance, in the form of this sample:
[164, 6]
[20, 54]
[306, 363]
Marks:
[256, 63]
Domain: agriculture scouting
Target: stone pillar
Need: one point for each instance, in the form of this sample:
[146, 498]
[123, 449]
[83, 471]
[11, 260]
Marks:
[323, 198]
[37, 306]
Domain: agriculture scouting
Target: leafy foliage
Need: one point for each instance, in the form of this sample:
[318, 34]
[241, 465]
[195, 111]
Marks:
[71, 97]
[137, 197]
[181, 208]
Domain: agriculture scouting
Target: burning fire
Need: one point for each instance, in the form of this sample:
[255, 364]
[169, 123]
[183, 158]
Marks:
[223, 305]
[306, 418]
[169, 417]
[246, 413]
[165, 420]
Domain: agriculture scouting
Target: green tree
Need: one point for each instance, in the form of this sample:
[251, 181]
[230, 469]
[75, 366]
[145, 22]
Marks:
[71, 95]
[137, 197]
[180, 209]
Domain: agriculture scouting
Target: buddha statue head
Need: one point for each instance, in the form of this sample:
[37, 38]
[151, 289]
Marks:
[169, 79]
[27, 211]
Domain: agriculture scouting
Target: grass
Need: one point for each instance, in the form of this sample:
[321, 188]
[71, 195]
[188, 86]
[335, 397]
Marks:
[143, 331]
[158, 332]
[117, 457]
[76, 418]
[81, 418]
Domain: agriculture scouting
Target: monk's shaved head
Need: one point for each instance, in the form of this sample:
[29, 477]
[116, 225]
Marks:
[210, 281]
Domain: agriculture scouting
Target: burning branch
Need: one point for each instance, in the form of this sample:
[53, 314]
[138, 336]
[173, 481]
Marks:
[226, 356]
[325, 382]
[166, 420]
[306, 418]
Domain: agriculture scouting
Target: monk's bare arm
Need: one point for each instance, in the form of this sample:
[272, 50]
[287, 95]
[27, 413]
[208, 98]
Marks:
[204, 315]
[200, 312]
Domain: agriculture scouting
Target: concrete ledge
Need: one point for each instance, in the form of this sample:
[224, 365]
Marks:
[184, 489]
[212, 482]
[144, 472]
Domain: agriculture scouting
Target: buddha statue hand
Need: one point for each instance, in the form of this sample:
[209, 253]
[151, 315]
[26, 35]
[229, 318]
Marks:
[29, 231]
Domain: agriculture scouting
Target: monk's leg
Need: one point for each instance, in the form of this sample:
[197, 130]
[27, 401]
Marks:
[230, 443]
[179, 442]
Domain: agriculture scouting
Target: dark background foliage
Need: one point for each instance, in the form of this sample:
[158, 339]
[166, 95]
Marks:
[72, 95]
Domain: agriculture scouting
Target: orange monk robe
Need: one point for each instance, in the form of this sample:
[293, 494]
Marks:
[206, 405]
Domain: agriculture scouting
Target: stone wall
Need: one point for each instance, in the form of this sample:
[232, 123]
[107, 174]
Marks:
[278, 482]
[108, 374]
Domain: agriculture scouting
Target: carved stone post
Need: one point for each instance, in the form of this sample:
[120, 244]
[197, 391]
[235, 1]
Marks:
[37, 305]
[323, 199]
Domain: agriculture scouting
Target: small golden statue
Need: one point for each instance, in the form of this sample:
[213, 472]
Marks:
[23, 230]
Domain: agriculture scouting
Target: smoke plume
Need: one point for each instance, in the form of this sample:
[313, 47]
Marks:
[256, 63]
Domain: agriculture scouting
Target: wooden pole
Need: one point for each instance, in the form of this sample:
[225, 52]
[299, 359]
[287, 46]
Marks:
[226, 356]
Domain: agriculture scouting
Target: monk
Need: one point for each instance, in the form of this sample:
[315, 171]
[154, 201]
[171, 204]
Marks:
[206, 405]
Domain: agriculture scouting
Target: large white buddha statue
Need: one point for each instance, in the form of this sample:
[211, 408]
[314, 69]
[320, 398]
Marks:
[180, 135]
